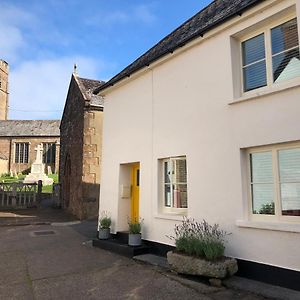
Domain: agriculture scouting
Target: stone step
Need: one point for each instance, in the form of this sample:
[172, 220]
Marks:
[116, 246]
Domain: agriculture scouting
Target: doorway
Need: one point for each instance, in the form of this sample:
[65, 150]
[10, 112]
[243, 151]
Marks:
[135, 192]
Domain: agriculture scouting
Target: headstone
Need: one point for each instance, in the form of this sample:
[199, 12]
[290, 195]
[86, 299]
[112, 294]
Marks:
[11, 174]
[49, 170]
[37, 171]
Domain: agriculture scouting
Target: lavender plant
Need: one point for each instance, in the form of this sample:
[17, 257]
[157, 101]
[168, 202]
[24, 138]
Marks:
[200, 239]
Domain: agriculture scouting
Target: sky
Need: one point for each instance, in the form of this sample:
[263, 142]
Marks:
[42, 40]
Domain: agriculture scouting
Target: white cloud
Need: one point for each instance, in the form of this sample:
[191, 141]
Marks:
[139, 13]
[12, 36]
[40, 87]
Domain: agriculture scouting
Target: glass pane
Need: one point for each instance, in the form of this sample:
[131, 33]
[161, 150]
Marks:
[53, 153]
[290, 199]
[22, 153]
[167, 172]
[253, 49]
[261, 167]
[180, 195]
[255, 76]
[168, 199]
[26, 152]
[263, 199]
[286, 65]
[17, 153]
[284, 36]
[180, 171]
[289, 165]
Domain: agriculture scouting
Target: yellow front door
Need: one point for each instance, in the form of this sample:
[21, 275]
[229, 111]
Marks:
[135, 192]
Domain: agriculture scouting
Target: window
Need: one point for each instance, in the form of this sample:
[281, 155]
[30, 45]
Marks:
[49, 152]
[271, 56]
[175, 182]
[21, 153]
[275, 181]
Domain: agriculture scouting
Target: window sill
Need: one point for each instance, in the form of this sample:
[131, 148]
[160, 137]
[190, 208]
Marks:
[275, 88]
[170, 216]
[288, 227]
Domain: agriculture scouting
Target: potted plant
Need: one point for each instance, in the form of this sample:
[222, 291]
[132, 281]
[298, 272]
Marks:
[104, 226]
[135, 236]
[200, 250]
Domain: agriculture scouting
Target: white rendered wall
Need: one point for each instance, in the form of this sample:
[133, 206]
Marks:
[181, 107]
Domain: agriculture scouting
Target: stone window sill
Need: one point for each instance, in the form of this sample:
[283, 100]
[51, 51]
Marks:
[288, 227]
[275, 88]
[170, 216]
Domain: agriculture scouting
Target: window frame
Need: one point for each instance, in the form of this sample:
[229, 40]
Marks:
[266, 30]
[277, 217]
[164, 208]
[24, 154]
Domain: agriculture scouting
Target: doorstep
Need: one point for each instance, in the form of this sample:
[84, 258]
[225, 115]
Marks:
[118, 244]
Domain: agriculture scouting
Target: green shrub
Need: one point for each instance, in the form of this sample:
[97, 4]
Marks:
[199, 239]
[135, 226]
[105, 221]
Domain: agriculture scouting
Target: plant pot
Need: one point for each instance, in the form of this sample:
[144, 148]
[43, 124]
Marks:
[134, 239]
[104, 233]
[185, 264]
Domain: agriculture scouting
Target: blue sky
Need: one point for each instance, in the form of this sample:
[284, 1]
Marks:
[43, 39]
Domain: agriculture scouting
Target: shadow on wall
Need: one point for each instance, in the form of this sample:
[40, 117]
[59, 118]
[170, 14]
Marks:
[90, 200]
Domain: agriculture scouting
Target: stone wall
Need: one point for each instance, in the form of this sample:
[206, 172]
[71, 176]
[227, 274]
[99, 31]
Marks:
[71, 145]
[92, 152]
[3, 89]
[7, 148]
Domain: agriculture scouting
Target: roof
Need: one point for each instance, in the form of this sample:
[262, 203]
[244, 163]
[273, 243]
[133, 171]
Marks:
[29, 128]
[211, 16]
[87, 87]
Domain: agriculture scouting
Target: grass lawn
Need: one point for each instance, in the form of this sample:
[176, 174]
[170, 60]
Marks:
[45, 189]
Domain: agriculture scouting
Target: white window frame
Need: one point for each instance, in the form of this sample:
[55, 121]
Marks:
[266, 30]
[166, 209]
[277, 217]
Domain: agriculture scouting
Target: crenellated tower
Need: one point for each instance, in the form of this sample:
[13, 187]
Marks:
[4, 69]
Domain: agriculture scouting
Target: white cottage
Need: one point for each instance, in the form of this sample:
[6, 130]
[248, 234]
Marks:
[206, 124]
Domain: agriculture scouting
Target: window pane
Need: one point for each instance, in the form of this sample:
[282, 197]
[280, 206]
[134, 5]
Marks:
[253, 49]
[255, 76]
[289, 165]
[26, 148]
[286, 65]
[263, 199]
[168, 199]
[167, 172]
[17, 153]
[22, 153]
[290, 199]
[180, 196]
[261, 167]
[284, 37]
[53, 153]
[180, 171]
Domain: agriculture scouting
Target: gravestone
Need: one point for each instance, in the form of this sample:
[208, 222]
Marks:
[49, 170]
[37, 171]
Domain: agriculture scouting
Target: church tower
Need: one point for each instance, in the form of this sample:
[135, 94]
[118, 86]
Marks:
[3, 89]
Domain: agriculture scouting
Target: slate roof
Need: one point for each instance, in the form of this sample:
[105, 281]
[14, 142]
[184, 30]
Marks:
[87, 86]
[18, 128]
[211, 16]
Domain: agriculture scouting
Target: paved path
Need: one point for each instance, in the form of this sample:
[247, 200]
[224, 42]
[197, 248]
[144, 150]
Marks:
[63, 265]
